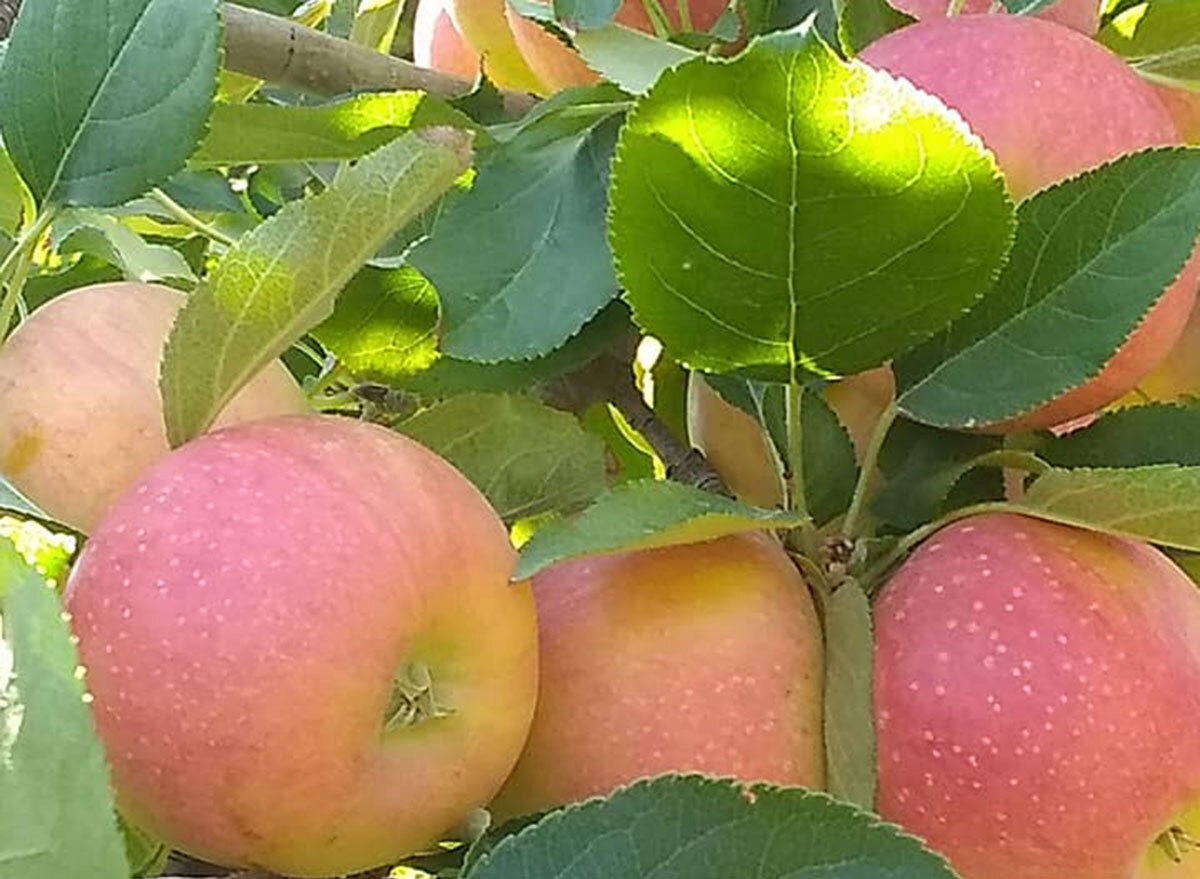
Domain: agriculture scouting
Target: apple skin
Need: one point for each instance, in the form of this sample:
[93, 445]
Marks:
[242, 613]
[80, 411]
[437, 43]
[1080, 15]
[1036, 695]
[739, 450]
[1184, 107]
[1023, 85]
[705, 657]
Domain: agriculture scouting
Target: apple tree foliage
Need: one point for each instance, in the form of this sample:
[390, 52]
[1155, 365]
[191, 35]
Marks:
[455, 270]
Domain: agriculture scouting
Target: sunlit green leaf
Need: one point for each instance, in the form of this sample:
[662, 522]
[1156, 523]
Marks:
[80, 230]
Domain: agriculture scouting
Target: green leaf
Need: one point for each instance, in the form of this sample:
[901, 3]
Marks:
[384, 325]
[1158, 504]
[856, 215]
[14, 501]
[526, 458]
[101, 101]
[1160, 39]
[281, 279]
[763, 16]
[80, 230]
[205, 191]
[849, 713]
[450, 376]
[862, 22]
[56, 813]
[47, 552]
[630, 58]
[12, 211]
[1135, 437]
[376, 23]
[1027, 7]
[520, 262]
[1189, 562]
[922, 465]
[645, 515]
[830, 470]
[684, 827]
[586, 13]
[1092, 256]
[146, 855]
[264, 134]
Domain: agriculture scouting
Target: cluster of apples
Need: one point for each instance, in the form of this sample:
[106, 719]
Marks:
[307, 654]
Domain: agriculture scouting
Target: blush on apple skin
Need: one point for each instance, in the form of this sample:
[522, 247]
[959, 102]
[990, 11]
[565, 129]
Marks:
[705, 657]
[80, 411]
[1026, 87]
[243, 613]
[1036, 693]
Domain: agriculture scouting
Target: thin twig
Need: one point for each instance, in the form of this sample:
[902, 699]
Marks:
[287, 53]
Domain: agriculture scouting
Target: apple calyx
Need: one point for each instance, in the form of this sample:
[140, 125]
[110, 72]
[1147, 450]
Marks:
[1177, 843]
[413, 700]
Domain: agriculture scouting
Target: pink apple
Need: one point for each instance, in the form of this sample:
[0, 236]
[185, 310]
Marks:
[1082, 15]
[437, 43]
[705, 657]
[1036, 693]
[1050, 103]
[80, 412]
[304, 649]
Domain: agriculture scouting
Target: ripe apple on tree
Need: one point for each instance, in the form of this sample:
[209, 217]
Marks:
[1082, 15]
[1023, 85]
[1036, 694]
[704, 657]
[304, 650]
[80, 412]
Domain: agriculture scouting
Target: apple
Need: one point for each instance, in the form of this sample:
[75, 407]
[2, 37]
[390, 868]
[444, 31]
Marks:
[80, 411]
[1177, 377]
[437, 43]
[1082, 15]
[704, 657]
[303, 647]
[519, 53]
[1184, 106]
[1049, 103]
[1036, 694]
[739, 450]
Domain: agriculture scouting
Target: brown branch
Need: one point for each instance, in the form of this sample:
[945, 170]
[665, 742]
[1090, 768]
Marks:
[286, 53]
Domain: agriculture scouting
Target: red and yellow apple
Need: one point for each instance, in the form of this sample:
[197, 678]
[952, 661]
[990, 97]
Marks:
[704, 657]
[304, 650]
[739, 450]
[1082, 15]
[1184, 107]
[517, 52]
[1036, 694]
[80, 412]
[1029, 89]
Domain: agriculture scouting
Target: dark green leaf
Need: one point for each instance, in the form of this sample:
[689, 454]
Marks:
[685, 827]
[520, 262]
[763, 16]
[830, 470]
[56, 813]
[849, 714]
[862, 22]
[1027, 7]
[1092, 256]
[281, 280]
[586, 13]
[922, 465]
[1133, 437]
[526, 458]
[101, 101]
[205, 191]
[856, 216]
[645, 515]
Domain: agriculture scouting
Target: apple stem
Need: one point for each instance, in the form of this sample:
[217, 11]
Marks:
[1177, 843]
[658, 18]
[854, 516]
